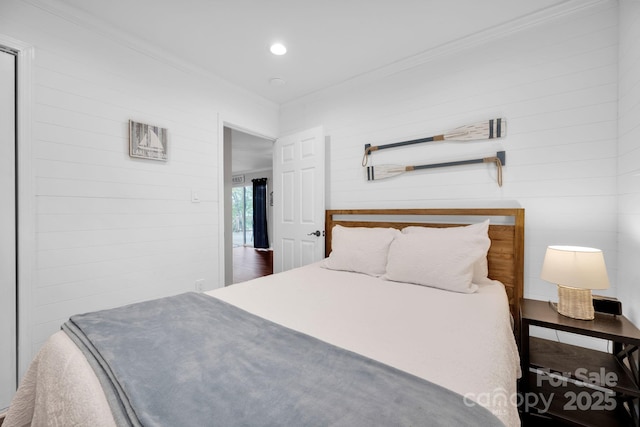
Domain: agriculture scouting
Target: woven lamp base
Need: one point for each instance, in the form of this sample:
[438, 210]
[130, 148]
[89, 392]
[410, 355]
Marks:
[575, 303]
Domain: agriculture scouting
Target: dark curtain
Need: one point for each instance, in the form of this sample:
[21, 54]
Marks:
[260, 235]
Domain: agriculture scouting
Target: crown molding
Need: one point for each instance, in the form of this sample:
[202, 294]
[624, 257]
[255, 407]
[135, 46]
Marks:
[566, 8]
[89, 22]
[97, 26]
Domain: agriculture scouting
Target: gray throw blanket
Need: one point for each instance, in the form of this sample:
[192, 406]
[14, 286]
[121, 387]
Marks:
[193, 360]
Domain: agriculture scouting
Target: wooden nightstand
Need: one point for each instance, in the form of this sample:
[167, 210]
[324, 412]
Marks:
[576, 385]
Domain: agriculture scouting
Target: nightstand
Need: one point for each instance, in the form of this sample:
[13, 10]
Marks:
[576, 385]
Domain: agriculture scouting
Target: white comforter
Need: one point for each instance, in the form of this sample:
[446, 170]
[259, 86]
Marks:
[463, 342]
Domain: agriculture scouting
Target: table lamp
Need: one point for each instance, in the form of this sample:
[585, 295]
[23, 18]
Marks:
[576, 271]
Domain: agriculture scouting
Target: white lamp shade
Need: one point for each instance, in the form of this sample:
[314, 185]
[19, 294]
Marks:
[576, 267]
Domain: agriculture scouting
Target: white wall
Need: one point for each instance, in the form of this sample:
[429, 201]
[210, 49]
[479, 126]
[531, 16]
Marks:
[109, 229]
[556, 84]
[629, 159]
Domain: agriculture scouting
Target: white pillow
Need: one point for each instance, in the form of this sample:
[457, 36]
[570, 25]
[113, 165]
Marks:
[438, 262]
[360, 249]
[481, 267]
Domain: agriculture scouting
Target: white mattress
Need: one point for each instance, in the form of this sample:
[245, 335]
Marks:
[463, 342]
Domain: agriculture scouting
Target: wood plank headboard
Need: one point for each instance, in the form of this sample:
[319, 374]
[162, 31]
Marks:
[506, 254]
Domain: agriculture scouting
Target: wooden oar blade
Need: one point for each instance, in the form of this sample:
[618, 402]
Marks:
[488, 129]
[375, 173]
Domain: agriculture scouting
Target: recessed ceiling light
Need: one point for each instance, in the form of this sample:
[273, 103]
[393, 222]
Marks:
[278, 49]
[276, 81]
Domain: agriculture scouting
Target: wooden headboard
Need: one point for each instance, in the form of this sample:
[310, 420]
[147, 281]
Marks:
[506, 254]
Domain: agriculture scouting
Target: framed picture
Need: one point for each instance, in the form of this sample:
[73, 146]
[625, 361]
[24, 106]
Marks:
[147, 141]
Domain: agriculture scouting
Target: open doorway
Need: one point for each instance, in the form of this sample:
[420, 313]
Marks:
[250, 159]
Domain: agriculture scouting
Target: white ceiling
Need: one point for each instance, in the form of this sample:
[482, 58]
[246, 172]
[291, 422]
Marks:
[250, 153]
[329, 41]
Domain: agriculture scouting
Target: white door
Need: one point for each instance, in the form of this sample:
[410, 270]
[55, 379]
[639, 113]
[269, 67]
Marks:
[7, 230]
[298, 199]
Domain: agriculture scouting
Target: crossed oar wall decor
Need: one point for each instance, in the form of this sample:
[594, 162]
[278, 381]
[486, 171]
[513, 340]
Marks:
[489, 129]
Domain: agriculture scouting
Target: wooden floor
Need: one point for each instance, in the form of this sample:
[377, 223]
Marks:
[249, 263]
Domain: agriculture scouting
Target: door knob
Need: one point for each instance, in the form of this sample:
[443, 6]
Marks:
[315, 233]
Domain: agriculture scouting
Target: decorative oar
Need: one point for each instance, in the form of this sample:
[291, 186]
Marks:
[489, 129]
[375, 173]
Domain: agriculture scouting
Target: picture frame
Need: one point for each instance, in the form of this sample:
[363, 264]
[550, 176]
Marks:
[147, 141]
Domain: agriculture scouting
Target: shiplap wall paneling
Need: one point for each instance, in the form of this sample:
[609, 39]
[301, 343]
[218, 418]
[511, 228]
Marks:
[109, 229]
[629, 159]
[555, 83]
[117, 230]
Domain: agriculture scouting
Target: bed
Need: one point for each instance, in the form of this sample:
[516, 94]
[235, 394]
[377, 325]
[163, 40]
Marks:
[408, 349]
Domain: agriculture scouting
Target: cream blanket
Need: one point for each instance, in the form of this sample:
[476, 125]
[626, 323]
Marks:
[59, 389]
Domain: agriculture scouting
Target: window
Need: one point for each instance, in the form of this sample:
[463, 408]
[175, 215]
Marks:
[242, 216]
